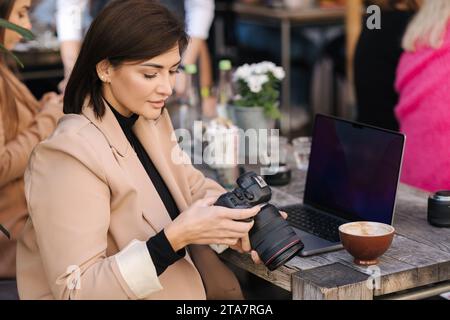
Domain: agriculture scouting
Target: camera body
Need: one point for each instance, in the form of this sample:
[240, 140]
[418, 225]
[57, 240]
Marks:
[271, 236]
[439, 209]
[251, 191]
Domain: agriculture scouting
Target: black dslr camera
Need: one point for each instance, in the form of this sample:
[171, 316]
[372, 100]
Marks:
[271, 236]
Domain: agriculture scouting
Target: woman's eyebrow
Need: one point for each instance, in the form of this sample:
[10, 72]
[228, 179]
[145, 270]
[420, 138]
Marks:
[154, 65]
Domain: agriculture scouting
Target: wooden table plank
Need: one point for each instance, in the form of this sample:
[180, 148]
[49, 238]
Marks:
[392, 272]
[331, 282]
[410, 220]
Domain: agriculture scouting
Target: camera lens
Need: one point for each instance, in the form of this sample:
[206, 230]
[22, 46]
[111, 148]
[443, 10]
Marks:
[439, 209]
[273, 238]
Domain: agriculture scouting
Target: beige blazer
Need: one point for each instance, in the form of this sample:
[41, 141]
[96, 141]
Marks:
[92, 206]
[35, 124]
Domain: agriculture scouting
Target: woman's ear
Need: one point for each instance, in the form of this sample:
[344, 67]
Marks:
[104, 70]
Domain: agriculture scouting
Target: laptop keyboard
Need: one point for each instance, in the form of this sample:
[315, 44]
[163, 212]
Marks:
[314, 222]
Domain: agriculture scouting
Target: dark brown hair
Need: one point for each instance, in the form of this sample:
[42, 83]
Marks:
[6, 7]
[125, 31]
[8, 106]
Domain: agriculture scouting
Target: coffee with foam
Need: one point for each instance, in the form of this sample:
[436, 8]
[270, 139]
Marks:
[366, 229]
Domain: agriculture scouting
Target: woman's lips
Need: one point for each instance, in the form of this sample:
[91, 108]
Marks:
[158, 104]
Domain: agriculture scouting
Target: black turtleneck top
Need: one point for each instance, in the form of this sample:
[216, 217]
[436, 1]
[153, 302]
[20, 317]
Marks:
[158, 246]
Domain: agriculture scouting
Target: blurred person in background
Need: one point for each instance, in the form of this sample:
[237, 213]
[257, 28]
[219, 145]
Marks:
[73, 18]
[24, 122]
[423, 85]
[199, 15]
[375, 61]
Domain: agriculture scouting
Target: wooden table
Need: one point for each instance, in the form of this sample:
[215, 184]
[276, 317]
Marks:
[418, 258]
[285, 18]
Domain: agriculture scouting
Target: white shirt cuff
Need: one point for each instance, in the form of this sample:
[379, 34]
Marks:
[219, 248]
[137, 269]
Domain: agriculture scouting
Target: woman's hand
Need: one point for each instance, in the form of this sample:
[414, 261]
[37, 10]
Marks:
[52, 100]
[255, 257]
[203, 223]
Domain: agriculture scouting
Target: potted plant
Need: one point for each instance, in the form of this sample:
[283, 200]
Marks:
[256, 104]
[27, 34]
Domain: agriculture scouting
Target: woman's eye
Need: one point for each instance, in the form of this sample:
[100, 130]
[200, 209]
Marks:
[22, 14]
[175, 71]
[150, 76]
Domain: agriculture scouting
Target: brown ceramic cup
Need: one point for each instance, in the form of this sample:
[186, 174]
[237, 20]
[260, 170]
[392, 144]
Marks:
[366, 241]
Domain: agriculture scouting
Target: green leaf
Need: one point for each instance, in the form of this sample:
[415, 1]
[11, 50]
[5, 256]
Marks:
[27, 34]
[2, 48]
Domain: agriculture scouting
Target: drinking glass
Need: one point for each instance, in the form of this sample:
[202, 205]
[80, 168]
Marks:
[302, 149]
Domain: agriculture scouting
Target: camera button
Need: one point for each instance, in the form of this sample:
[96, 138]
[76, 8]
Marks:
[239, 195]
[249, 195]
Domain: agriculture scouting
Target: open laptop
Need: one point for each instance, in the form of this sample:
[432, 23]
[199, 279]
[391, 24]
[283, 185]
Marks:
[353, 175]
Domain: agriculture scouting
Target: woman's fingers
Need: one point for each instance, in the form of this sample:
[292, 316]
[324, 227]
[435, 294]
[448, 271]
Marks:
[241, 214]
[49, 95]
[245, 243]
[233, 234]
[255, 257]
[284, 215]
[238, 226]
[215, 234]
[227, 241]
[237, 247]
[206, 202]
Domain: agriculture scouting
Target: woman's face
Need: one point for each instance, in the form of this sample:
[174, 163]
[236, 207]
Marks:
[19, 16]
[140, 88]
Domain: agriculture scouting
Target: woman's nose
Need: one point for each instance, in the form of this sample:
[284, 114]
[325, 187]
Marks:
[27, 24]
[165, 87]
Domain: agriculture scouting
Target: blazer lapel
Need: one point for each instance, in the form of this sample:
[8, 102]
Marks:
[110, 128]
[155, 138]
[153, 208]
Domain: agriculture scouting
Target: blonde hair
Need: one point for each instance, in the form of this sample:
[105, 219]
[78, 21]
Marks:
[427, 29]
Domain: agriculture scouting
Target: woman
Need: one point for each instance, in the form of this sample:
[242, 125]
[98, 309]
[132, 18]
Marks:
[423, 84]
[24, 122]
[114, 212]
[376, 58]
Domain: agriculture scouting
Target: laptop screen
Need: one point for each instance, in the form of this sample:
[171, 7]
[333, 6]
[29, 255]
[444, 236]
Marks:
[353, 170]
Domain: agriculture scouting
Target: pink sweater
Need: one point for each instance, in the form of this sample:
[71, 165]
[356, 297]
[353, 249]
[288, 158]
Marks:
[423, 111]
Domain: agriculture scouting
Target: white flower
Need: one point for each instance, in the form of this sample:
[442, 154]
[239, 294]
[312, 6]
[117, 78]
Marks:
[263, 67]
[257, 74]
[243, 72]
[278, 73]
[255, 82]
[255, 87]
